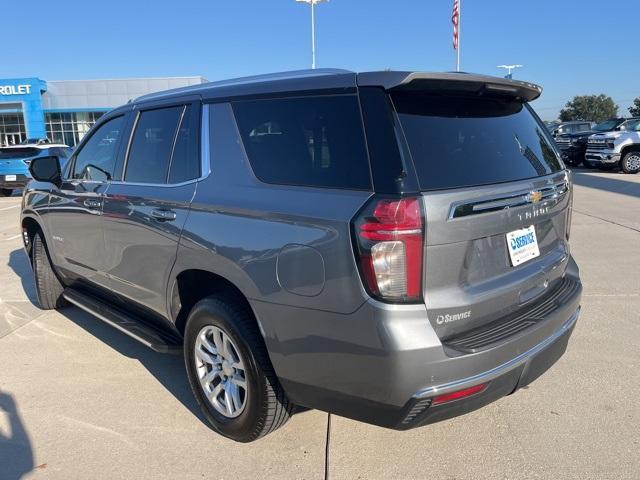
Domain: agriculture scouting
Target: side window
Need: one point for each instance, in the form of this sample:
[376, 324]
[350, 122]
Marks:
[97, 158]
[185, 162]
[152, 144]
[313, 141]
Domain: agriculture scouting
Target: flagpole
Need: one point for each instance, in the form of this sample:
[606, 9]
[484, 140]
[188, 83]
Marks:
[459, 28]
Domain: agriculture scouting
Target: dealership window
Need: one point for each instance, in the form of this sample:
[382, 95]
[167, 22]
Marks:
[69, 127]
[12, 130]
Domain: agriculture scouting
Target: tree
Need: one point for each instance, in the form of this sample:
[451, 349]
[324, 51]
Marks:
[595, 108]
[634, 110]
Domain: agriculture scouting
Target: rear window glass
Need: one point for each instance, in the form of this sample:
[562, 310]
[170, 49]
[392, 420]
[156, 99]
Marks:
[459, 141]
[312, 141]
[185, 161]
[152, 145]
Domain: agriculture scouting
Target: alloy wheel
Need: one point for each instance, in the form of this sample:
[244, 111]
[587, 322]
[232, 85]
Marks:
[221, 371]
[633, 162]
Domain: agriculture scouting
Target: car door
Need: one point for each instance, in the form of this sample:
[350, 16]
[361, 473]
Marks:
[74, 216]
[145, 211]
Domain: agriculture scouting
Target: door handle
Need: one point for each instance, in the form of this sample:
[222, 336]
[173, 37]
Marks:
[163, 215]
[89, 203]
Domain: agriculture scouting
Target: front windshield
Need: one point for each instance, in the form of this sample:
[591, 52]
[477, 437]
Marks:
[632, 125]
[606, 126]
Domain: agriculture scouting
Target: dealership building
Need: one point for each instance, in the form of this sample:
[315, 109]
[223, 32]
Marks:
[64, 110]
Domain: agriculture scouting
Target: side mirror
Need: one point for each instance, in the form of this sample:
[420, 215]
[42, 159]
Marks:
[621, 127]
[46, 169]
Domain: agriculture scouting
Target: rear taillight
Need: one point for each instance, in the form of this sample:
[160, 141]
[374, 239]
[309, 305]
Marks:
[390, 240]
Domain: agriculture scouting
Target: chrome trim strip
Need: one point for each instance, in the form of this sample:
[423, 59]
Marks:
[519, 198]
[500, 369]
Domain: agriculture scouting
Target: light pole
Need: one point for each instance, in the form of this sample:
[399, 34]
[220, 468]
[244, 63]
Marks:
[313, 28]
[509, 68]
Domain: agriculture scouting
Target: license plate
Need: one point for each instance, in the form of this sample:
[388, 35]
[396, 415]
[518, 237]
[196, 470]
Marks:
[522, 245]
[9, 178]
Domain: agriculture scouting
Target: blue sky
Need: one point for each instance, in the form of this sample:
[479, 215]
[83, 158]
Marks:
[570, 47]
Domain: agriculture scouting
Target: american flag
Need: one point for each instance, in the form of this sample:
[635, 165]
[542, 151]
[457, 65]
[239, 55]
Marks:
[455, 19]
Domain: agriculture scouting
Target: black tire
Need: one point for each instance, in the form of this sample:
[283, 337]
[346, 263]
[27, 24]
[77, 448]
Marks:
[266, 406]
[630, 163]
[48, 287]
[6, 192]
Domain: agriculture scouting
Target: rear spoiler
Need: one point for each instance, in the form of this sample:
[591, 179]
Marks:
[454, 81]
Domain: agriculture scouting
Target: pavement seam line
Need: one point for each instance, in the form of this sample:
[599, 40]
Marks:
[21, 326]
[608, 221]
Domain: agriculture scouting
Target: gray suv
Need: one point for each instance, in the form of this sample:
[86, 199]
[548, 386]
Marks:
[388, 246]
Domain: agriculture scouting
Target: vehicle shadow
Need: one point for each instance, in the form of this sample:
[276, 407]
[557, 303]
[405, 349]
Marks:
[168, 369]
[19, 263]
[613, 182]
[16, 454]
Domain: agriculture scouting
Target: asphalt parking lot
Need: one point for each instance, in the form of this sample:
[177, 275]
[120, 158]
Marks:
[81, 400]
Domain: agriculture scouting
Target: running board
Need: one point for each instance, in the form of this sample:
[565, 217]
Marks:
[126, 323]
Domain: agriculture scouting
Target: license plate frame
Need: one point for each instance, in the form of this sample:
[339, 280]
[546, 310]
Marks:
[522, 245]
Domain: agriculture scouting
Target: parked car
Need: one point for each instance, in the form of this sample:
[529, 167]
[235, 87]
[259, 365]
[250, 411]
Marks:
[573, 146]
[561, 128]
[14, 163]
[388, 246]
[618, 148]
[35, 141]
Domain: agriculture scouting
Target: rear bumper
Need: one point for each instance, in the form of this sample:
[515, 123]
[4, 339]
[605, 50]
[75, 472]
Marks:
[20, 181]
[383, 364]
[501, 380]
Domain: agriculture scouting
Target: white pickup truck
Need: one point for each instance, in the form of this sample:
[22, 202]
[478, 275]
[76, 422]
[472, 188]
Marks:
[617, 148]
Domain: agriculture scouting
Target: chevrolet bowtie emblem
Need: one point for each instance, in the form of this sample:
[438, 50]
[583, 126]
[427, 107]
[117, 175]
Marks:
[535, 196]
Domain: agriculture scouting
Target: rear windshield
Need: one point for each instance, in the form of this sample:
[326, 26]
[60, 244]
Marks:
[460, 141]
[18, 152]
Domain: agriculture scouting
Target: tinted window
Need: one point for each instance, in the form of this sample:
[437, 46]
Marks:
[607, 125]
[152, 144]
[97, 158]
[185, 164]
[314, 141]
[458, 141]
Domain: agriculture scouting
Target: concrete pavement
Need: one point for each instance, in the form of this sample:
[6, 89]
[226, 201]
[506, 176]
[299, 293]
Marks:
[81, 400]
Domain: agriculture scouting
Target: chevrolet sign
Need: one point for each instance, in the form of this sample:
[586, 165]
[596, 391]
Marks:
[15, 89]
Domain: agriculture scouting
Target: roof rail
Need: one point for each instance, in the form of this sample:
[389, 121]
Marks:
[317, 72]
